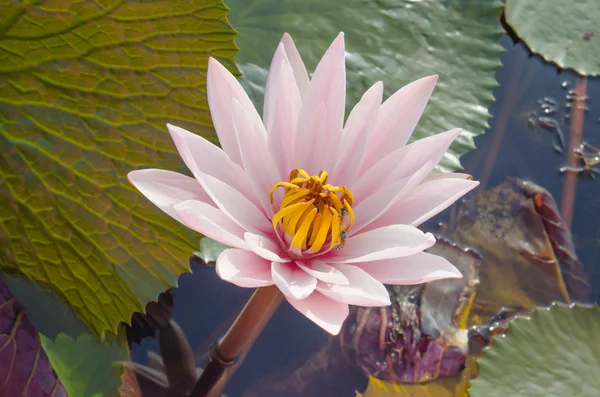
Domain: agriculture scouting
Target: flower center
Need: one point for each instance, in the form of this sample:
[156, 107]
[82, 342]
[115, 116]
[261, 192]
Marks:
[313, 215]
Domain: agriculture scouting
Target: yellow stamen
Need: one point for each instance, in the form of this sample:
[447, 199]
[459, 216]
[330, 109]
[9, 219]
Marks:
[322, 231]
[300, 238]
[293, 197]
[312, 212]
[335, 228]
[285, 212]
[350, 215]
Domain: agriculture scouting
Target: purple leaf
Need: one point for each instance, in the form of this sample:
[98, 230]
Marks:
[24, 367]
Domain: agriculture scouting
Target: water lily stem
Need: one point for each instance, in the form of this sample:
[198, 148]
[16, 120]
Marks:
[575, 136]
[228, 351]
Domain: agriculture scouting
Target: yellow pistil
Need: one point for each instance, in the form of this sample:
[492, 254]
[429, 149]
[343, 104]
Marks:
[313, 214]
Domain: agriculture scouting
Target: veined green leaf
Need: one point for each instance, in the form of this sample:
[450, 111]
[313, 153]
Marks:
[86, 88]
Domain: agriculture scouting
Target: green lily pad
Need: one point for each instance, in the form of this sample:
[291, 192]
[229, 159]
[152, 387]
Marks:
[210, 250]
[86, 88]
[564, 32]
[396, 41]
[556, 353]
[85, 365]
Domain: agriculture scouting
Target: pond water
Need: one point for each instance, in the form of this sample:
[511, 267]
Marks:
[205, 306]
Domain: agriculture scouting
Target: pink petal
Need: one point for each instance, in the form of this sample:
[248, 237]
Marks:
[387, 242]
[414, 269]
[256, 157]
[424, 201]
[222, 87]
[300, 73]
[323, 272]
[398, 118]
[282, 107]
[404, 162]
[244, 269]
[377, 204]
[363, 290]
[167, 188]
[265, 248]
[446, 175]
[202, 156]
[326, 313]
[356, 134]
[211, 222]
[328, 87]
[309, 149]
[292, 281]
[233, 203]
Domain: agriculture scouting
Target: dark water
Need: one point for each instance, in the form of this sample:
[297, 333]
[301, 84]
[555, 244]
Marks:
[205, 305]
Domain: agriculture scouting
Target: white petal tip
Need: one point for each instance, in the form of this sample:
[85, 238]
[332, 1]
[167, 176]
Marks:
[333, 331]
[215, 66]
[430, 238]
[173, 129]
[446, 273]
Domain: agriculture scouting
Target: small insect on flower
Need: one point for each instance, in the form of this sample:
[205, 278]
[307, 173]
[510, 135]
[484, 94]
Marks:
[343, 237]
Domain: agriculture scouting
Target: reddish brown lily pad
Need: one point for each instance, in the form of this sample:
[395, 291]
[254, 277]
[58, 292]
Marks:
[24, 367]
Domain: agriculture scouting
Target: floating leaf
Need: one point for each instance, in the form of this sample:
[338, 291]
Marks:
[391, 40]
[24, 367]
[564, 32]
[86, 88]
[85, 365]
[555, 353]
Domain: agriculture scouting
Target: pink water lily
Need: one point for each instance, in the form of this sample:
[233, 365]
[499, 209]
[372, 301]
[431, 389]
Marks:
[325, 210]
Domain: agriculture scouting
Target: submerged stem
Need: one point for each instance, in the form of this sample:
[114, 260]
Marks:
[238, 340]
[575, 134]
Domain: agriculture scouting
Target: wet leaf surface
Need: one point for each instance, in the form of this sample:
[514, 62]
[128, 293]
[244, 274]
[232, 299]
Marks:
[555, 353]
[24, 367]
[566, 33]
[86, 88]
[390, 40]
